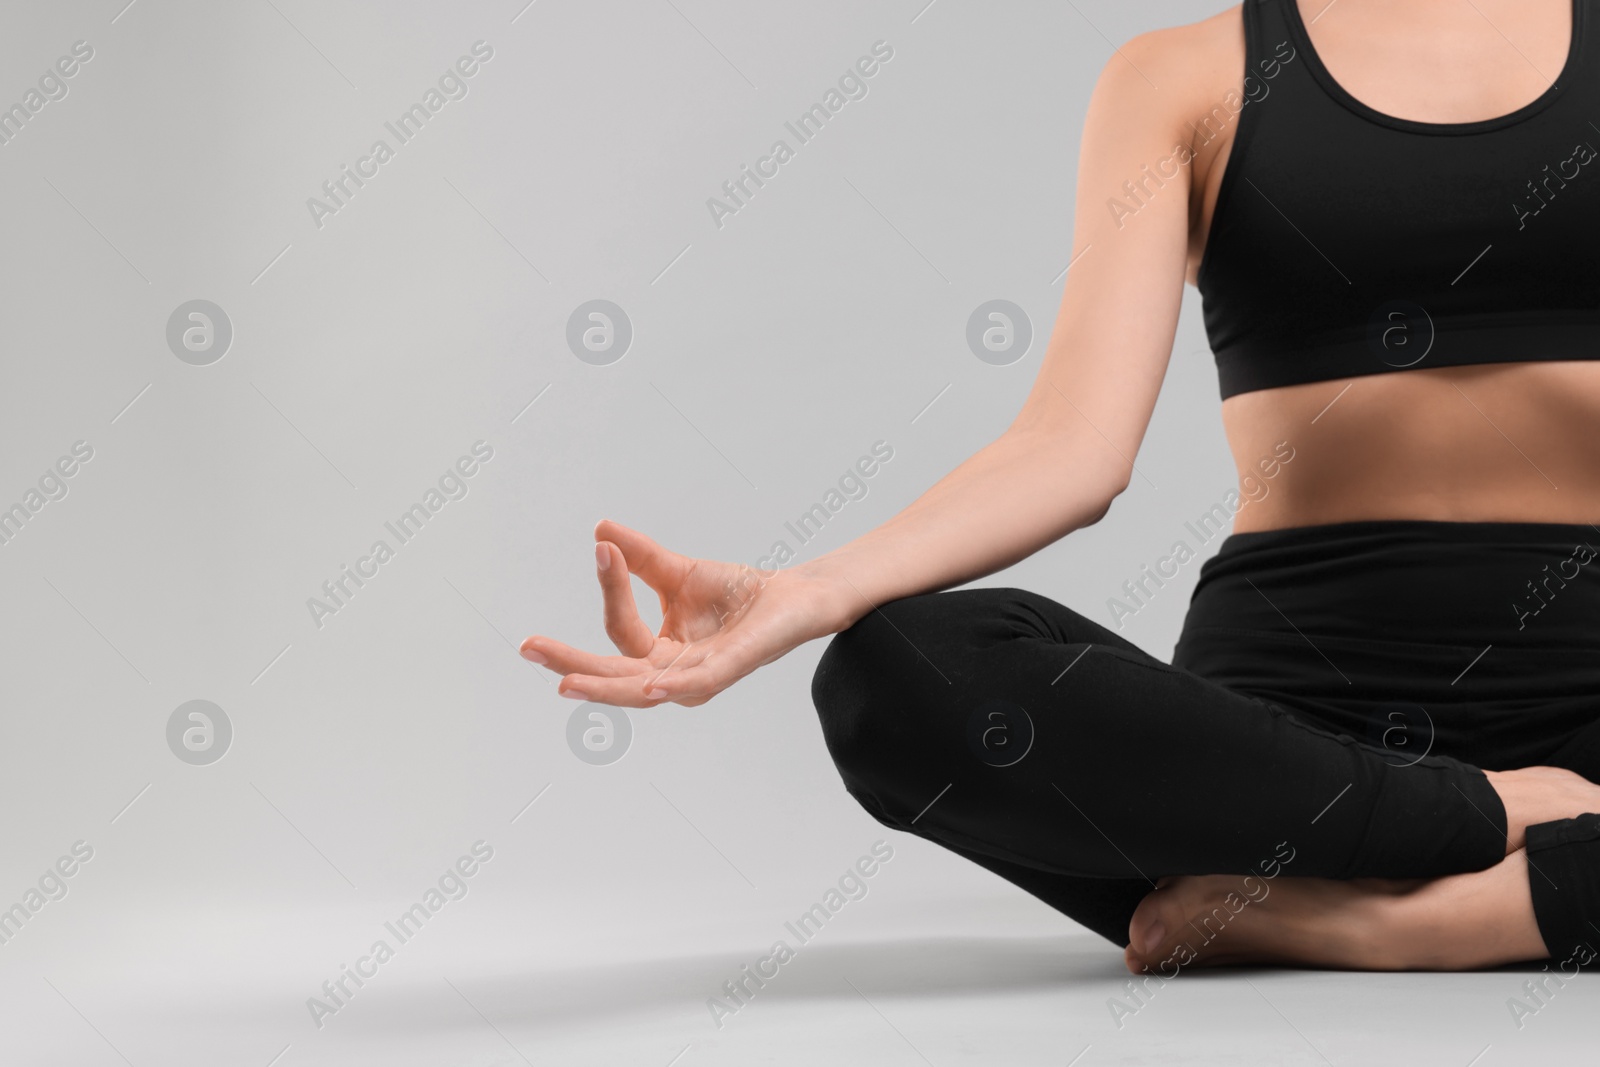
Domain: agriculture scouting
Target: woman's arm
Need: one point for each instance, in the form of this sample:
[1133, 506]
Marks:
[1070, 451]
[1056, 468]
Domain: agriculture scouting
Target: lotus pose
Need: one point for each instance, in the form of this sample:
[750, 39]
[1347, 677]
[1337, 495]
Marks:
[1378, 741]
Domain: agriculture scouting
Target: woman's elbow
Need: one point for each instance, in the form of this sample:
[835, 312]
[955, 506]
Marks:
[1104, 496]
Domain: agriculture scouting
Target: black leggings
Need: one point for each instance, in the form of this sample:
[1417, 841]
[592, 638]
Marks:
[1288, 738]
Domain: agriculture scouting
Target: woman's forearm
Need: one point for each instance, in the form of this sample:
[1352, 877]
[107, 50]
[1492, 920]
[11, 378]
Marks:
[1023, 491]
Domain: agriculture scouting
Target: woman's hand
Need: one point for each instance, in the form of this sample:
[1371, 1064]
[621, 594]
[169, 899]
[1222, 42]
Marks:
[720, 621]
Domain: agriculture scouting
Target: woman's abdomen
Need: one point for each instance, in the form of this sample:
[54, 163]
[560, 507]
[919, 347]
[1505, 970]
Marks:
[1515, 442]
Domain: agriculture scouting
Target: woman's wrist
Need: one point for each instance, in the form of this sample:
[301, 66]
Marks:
[835, 602]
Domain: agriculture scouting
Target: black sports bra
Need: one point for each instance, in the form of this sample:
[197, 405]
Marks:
[1348, 242]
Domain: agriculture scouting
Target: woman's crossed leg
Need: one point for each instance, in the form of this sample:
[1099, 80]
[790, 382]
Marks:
[1114, 787]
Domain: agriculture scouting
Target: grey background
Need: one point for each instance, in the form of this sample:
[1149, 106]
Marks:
[368, 354]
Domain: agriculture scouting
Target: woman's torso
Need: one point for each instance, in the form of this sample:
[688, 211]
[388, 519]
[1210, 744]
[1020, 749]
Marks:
[1495, 442]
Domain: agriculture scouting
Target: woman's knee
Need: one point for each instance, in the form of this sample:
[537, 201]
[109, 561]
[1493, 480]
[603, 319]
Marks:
[852, 690]
[878, 686]
[900, 686]
[890, 690]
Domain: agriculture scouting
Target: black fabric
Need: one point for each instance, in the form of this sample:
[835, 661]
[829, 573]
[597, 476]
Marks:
[1564, 874]
[1326, 714]
[1347, 242]
[1489, 628]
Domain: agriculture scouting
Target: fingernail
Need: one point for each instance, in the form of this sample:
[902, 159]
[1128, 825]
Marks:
[1153, 937]
[576, 694]
[533, 655]
[655, 694]
[602, 558]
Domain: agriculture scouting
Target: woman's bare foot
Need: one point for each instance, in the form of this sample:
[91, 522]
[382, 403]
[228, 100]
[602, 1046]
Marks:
[1480, 919]
[1463, 922]
[1533, 795]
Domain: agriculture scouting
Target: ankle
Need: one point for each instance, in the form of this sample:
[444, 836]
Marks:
[1512, 788]
[1533, 795]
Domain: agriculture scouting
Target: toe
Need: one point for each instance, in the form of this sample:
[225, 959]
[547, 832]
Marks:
[1147, 930]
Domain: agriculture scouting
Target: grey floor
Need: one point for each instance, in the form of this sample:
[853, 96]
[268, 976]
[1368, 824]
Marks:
[937, 964]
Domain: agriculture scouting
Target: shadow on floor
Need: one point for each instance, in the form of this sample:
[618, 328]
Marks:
[909, 967]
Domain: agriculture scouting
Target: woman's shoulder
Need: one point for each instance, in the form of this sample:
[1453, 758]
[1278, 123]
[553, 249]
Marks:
[1205, 55]
[1183, 71]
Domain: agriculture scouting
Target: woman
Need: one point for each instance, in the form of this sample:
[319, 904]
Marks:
[1378, 741]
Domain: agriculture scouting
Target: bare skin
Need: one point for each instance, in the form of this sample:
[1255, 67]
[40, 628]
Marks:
[1464, 922]
[1470, 444]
